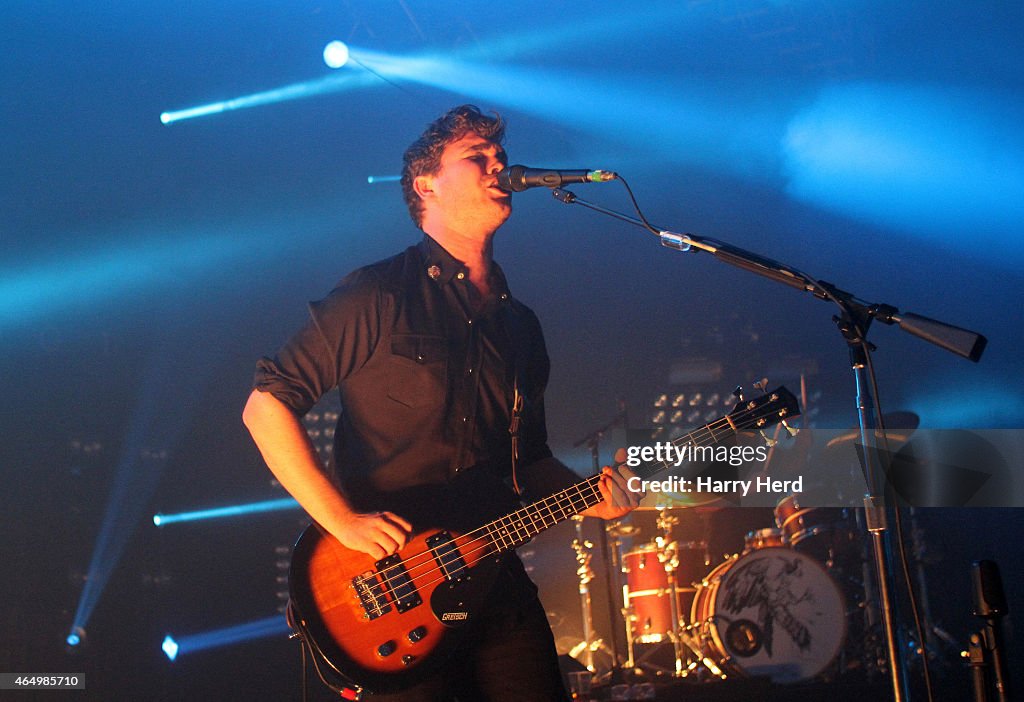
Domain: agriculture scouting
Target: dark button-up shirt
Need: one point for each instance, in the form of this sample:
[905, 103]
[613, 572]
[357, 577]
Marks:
[426, 383]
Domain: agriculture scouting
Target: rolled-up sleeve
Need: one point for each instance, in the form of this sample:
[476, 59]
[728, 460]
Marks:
[338, 339]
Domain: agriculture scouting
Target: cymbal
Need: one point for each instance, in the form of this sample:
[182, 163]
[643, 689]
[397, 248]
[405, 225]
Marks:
[898, 426]
[661, 501]
[619, 529]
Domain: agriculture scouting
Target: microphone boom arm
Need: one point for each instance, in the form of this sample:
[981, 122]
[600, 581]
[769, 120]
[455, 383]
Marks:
[962, 342]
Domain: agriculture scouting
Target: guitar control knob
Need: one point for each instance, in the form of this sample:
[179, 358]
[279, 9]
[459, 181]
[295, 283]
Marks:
[386, 649]
[417, 634]
[407, 659]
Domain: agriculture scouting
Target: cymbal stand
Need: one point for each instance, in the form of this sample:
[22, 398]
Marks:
[590, 642]
[669, 557]
[613, 532]
[668, 553]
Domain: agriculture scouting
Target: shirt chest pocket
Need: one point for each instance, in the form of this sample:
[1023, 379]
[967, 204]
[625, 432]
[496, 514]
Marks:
[418, 370]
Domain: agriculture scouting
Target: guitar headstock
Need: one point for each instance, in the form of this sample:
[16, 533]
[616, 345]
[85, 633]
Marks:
[766, 410]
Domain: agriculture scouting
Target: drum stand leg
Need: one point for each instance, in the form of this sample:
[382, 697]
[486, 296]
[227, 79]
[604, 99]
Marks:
[687, 648]
[677, 634]
[680, 636]
[627, 618]
[590, 643]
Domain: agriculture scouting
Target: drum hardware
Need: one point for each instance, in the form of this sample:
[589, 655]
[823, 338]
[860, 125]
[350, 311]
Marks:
[764, 538]
[936, 638]
[651, 577]
[669, 557]
[608, 552]
[590, 642]
[618, 529]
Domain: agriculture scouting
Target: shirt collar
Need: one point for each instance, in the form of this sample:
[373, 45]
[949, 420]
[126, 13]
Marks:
[441, 267]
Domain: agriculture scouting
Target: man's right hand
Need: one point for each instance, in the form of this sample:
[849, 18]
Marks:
[378, 534]
[289, 453]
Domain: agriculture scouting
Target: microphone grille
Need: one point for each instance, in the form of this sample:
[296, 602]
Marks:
[512, 179]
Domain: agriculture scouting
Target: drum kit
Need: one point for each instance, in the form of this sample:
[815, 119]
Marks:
[777, 609]
[794, 605]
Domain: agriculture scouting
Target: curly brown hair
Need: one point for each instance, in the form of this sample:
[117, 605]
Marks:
[423, 157]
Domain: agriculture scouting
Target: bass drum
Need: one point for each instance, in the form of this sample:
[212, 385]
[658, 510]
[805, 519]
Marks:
[772, 612]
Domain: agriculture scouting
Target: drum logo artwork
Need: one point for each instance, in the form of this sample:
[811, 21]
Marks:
[773, 612]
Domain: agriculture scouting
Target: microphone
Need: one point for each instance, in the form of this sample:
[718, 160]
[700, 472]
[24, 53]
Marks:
[514, 179]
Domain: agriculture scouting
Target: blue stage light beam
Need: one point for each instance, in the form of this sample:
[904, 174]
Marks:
[155, 425]
[981, 403]
[229, 511]
[259, 629]
[659, 17]
[583, 33]
[690, 124]
[181, 256]
[933, 163]
[88, 277]
[383, 179]
[296, 91]
[941, 163]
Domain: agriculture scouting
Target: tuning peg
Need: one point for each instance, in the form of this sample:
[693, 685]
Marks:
[767, 439]
[793, 431]
[761, 385]
[738, 393]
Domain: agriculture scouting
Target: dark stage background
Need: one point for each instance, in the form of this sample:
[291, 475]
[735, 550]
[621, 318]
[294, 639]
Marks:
[147, 263]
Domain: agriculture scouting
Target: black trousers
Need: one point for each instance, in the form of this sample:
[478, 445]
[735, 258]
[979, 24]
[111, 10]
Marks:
[508, 655]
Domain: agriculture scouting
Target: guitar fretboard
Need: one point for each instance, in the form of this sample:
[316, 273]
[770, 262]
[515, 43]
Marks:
[515, 529]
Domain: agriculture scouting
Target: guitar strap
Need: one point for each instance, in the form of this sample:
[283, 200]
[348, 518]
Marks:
[517, 335]
[513, 428]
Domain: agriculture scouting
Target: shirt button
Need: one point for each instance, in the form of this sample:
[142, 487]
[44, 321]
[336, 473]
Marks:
[504, 296]
[470, 370]
[460, 275]
[469, 322]
[465, 419]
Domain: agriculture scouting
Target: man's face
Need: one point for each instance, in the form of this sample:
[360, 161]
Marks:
[464, 191]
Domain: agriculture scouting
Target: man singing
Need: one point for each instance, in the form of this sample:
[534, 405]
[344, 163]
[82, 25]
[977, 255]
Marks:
[429, 351]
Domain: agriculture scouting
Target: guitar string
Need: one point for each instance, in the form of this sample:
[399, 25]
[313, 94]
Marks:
[377, 588]
[403, 589]
[464, 541]
[387, 576]
[483, 543]
[518, 516]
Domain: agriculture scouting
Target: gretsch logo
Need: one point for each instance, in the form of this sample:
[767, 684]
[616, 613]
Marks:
[454, 616]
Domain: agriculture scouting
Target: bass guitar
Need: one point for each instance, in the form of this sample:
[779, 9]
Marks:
[385, 624]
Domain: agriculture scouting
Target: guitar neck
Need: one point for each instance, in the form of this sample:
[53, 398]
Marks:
[515, 529]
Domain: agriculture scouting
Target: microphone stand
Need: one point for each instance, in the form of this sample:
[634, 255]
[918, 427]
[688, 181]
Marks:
[853, 321]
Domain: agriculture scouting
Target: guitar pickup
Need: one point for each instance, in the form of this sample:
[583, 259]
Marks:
[395, 578]
[447, 555]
